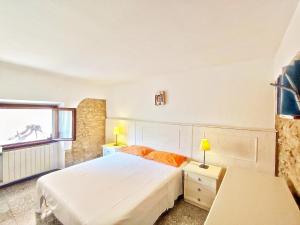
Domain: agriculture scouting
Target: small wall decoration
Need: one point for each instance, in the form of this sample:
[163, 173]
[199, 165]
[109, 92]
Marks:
[160, 98]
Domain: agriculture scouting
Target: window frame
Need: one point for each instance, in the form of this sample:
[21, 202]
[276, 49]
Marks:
[73, 110]
[54, 108]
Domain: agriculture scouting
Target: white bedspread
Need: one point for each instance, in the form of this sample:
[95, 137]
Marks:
[116, 189]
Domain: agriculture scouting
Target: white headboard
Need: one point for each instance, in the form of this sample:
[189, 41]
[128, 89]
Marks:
[231, 146]
[167, 137]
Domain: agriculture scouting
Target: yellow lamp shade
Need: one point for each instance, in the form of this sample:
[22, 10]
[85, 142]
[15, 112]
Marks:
[204, 145]
[117, 130]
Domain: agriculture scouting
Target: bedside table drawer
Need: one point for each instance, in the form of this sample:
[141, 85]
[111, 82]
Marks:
[194, 187]
[203, 197]
[108, 151]
[205, 181]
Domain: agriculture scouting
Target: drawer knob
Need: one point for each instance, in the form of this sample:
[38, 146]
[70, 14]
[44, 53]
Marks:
[199, 179]
[199, 189]
[199, 199]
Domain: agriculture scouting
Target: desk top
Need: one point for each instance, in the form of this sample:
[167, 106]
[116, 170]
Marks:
[251, 198]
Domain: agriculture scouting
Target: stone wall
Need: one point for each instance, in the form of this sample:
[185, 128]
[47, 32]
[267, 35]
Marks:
[288, 152]
[90, 131]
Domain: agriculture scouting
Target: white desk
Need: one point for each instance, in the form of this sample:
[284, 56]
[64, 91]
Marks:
[251, 198]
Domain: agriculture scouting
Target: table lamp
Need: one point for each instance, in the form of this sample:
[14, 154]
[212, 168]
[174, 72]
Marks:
[117, 131]
[204, 146]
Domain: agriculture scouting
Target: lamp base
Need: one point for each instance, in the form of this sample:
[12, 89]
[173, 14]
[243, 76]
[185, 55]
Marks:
[203, 166]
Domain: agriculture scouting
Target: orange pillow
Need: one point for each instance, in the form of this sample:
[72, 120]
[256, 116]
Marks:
[168, 158]
[137, 150]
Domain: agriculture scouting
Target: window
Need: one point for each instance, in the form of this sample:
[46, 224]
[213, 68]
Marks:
[26, 125]
[66, 123]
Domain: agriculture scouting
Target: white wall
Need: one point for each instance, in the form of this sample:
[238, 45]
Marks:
[235, 94]
[23, 83]
[290, 44]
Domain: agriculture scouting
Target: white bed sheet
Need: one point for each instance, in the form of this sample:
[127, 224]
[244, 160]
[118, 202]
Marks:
[116, 189]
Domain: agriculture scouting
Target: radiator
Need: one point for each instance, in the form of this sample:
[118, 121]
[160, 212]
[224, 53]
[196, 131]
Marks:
[22, 163]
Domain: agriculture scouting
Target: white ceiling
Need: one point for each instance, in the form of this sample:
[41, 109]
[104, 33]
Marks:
[116, 40]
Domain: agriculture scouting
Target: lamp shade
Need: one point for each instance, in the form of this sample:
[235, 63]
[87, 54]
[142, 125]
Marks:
[204, 145]
[117, 130]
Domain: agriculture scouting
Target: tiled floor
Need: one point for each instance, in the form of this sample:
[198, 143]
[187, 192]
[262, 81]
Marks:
[17, 204]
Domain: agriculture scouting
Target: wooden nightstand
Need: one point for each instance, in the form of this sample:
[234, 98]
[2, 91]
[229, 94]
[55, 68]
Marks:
[201, 185]
[108, 149]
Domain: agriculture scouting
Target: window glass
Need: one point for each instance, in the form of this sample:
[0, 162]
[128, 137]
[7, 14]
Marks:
[25, 125]
[65, 124]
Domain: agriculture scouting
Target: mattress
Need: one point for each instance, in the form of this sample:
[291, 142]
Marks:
[116, 189]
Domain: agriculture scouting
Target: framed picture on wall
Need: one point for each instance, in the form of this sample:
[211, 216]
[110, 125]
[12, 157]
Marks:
[160, 98]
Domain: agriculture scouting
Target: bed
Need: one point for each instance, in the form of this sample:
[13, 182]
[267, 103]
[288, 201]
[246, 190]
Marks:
[116, 189]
